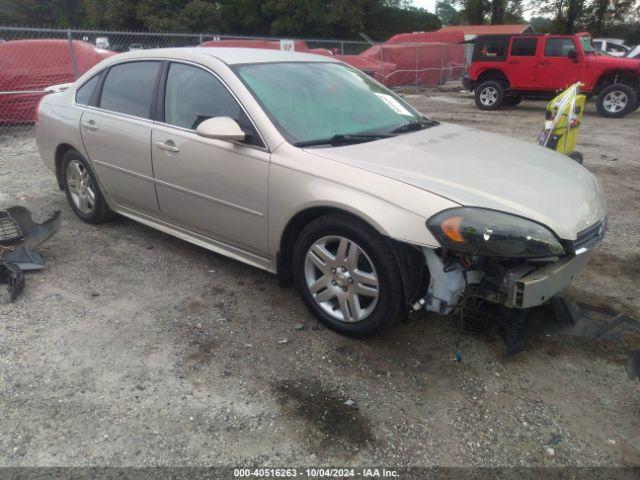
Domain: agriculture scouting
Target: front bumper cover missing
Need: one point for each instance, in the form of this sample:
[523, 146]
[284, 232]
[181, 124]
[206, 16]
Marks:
[538, 286]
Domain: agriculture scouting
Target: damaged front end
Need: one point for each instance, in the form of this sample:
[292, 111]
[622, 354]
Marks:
[490, 258]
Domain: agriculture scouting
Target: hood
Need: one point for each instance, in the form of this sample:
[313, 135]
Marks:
[614, 62]
[477, 168]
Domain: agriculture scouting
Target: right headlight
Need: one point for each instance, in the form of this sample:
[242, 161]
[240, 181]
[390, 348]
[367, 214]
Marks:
[484, 232]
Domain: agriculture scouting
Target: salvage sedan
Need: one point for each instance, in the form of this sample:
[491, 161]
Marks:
[305, 167]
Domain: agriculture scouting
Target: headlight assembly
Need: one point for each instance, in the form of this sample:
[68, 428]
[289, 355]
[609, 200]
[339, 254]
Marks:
[484, 232]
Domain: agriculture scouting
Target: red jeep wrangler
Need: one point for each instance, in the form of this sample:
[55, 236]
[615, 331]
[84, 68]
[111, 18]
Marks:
[507, 68]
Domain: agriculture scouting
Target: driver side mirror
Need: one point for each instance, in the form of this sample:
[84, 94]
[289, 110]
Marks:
[221, 128]
[573, 55]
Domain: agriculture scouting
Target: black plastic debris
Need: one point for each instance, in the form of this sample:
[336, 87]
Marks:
[33, 234]
[19, 237]
[25, 258]
[633, 365]
[13, 277]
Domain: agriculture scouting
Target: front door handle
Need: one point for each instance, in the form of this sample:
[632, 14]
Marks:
[545, 62]
[90, 125]
[169, 146]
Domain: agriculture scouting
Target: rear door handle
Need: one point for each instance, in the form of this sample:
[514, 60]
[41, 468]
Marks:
[90, 125]
[169, 146]
[545, 62]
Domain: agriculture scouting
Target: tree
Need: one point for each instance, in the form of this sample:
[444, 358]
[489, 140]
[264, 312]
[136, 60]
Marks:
[601, 14]
[447, 13]
[498, 11]
[514, 12]
[122, 15]
[541, 24]
[387, 21]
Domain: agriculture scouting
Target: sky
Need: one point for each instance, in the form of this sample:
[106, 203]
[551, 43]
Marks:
[428, 4]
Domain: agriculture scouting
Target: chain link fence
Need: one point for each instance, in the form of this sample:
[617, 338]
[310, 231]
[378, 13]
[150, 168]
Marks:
[32, 59]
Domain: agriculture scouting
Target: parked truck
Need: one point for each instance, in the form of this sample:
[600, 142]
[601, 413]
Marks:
[507, 68]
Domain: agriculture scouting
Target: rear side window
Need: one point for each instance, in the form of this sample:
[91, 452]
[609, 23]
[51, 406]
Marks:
[84, 93]
[128, 88]
[524, 47]
[558, 47]
[491, 48]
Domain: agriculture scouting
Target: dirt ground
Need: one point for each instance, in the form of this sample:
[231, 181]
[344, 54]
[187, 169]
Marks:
[133, 348]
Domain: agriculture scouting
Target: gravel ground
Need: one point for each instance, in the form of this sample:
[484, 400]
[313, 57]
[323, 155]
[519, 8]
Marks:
[133, 348]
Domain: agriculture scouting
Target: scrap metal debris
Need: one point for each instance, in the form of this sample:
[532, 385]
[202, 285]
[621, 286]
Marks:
[19, 237]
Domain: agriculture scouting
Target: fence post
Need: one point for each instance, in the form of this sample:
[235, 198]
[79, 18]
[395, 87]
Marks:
[383, 80]
[442, 64]
[416, 80]
[201, 39]
[73, 54]
[341, 48]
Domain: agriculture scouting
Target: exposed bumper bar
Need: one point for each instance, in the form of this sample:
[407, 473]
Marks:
[540, 285]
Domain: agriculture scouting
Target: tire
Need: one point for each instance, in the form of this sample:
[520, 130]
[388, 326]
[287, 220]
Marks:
[489, 95]
[80, 186]
[512, 100]
[347, 284]
[616, 101]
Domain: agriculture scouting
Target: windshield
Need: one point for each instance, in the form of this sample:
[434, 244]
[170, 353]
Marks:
[312, 101]
[587, 46]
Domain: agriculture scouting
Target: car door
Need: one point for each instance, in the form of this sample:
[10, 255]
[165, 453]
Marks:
[523, 62]
[117, 134]
[557, 69]
[213, 187]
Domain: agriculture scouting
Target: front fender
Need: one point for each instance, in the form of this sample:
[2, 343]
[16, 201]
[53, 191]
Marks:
[396, 210]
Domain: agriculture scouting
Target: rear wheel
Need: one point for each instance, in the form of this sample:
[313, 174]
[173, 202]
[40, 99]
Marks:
[82, 190]
[489, 95]
[616, 101]
[347, 275]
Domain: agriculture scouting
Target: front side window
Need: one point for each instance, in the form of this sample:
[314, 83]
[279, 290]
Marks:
[84, 93]
[193, 95]
[524, 47]
[311, 101]
[613, 48]
[559, 47]
[128, 88]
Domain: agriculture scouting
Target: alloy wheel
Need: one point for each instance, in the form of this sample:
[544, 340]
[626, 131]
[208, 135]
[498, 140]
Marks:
[615, 101]
[341, 278]
[489, 96]
[81, 187]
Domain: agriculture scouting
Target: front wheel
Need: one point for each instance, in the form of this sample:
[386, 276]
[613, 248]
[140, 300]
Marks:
[347, 275]
[616, 101]
[489, 95]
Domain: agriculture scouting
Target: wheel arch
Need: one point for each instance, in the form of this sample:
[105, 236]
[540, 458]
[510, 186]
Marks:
[59, 155]
[493, 73]
[409, 258]
[610, 77]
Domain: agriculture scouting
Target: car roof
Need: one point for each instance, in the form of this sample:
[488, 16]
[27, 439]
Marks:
[228, 55]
